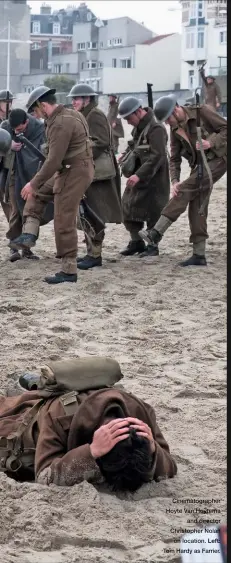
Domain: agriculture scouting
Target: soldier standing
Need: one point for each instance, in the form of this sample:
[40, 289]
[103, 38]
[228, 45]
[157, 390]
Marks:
[145, 164]
[182, 121]
[115, 122]
[104, 193]
[211, 89]
[6, 207]
[70, 160]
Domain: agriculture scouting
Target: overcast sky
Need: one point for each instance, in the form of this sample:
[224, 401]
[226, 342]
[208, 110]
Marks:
[154, 14]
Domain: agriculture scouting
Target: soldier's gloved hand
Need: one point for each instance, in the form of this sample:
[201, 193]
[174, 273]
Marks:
[175, 189]
[16, 146]
[108, 435]
[205, 144]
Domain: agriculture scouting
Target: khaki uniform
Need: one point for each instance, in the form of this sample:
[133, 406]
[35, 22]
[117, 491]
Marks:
[62, 440]
[118, 130]
[145, 201]
[183, 143]
[212, 92]
[70, 160]
[103, 196]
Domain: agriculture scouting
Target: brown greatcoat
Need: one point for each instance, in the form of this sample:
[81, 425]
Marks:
[104, 196]
[183, 144]
[117, 130]
[70, 159]
[63, 455]
[212, 92]
[145, 201]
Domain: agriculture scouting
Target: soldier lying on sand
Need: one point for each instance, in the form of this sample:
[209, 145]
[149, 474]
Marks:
[98, 433]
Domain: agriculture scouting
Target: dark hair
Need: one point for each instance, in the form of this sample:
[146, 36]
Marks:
[48, 98]
[127, 465]
[17, 117]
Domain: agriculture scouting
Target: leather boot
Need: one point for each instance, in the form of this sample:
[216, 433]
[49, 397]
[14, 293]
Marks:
[14, 255]
[152, 237]
[194, 260]
[27, 253]
[89, 262]
[61, 277]
[134, 247]
[151, 250]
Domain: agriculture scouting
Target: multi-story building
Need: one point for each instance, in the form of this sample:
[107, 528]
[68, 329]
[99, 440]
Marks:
[52, 33]
[204, 38]
[18, 14]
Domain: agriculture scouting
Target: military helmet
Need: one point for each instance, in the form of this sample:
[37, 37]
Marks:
[81, 91]
[5, 142]
[164, 107]
[37, 94]
[3, 96]
[128, 106]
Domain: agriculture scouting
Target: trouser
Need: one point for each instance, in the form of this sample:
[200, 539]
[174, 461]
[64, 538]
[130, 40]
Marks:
[133, 227]
[190, 195]
[15, 220]
[94, 245]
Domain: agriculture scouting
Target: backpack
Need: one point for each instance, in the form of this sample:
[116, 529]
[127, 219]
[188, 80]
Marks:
[64, 379]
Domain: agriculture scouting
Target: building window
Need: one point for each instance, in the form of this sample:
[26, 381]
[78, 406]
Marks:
[41, 64]
[101, 44]
[91, 64]
[56, 28]
[109, 43]
[100, 65]
[67, 67]
[193, 9]
[114, 63]
[200, 9]
[200, 39]
[35, 46]
[190, 40]
[125, 63]
[91, 45]
[58, 69]
[223, 37]
[191, 79]
[117, 41]
[81, 46]
[36, 27]
[82, 66]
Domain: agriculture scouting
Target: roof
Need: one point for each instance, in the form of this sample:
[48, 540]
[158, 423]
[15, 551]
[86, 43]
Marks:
[155, 39]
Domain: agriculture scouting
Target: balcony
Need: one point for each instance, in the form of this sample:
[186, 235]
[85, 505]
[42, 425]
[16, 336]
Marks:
[218, 70]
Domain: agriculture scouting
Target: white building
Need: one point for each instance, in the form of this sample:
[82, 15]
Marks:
[204, 38]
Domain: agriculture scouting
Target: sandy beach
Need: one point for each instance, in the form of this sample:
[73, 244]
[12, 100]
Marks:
[167, 328]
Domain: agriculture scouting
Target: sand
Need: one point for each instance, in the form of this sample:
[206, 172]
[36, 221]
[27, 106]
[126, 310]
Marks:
[167, 328]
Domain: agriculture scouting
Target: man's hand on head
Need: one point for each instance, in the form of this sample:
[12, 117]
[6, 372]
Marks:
[108, 435]
[142, 429]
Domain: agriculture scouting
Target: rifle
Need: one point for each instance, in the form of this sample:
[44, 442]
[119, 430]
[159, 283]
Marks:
[150, 96]
[7, 104]
[201, 158]
[90, 222]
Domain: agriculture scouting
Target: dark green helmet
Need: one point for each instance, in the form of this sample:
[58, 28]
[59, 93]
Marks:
[3, 96]
[37, 94]
[128, 106]
[164, 107]
[81, 91]
[5, 142]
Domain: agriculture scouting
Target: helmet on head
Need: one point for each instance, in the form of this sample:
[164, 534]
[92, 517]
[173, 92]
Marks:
[113, 95]
[164, 107]
[5, 142]
[128, 106]
[37, 94]
[81, 91]
[3, 96]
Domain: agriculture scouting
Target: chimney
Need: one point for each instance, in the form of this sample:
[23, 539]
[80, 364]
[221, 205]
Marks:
[45, 10]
